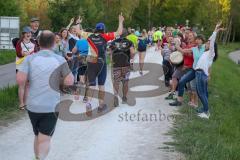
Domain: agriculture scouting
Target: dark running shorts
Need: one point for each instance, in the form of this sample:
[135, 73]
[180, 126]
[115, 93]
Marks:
[82, 69]
[121, 74]
[96, 71]
[43, 122]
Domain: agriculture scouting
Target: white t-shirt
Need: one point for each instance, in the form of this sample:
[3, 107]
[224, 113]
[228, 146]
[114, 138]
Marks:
[206, 59]
[27, 47]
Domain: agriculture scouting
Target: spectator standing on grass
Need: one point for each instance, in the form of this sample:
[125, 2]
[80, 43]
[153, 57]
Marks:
[24, 47]
[202, 71]
[38, 69]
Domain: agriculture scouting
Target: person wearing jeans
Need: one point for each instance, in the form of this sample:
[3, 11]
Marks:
[202, 72]
[190, 74]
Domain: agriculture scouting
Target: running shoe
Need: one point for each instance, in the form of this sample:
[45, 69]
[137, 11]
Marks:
[204, 115]
[116, 103]
[124, 100]
[175, 103]
[141, 73]
[89, 109]
[171, 96]
[200, 110]
[102, 108]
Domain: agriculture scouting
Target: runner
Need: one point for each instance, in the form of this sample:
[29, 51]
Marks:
[202, 71]
[81, 49]
[134, 39]
[157, 38]
[142, 48]
[41, 107]
[97, 67]
[24, 47]
[122, 50]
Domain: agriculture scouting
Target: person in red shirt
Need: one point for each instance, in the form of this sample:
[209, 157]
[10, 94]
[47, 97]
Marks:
[183, 68]
[97, 67]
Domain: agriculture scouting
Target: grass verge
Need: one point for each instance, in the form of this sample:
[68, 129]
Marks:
[219, 137]
[7, 56]
[8, 104]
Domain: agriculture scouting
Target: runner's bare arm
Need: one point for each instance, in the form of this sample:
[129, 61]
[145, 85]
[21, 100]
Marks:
[120, 26]
[69, 25]
[132, 52]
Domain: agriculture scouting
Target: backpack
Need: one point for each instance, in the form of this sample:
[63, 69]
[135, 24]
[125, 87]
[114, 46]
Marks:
[15, 41]
[142, 45]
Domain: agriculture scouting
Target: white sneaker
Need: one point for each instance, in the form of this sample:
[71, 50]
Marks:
[204, 115]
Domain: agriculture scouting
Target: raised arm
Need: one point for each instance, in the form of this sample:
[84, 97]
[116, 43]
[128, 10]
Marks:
[70, 23]
[213, 39]
[120, 25]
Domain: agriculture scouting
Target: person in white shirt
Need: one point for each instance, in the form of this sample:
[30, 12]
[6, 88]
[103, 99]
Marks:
[202, 72]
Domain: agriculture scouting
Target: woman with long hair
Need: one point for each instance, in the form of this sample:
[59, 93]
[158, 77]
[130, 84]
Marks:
[24, 47]
[142, 48]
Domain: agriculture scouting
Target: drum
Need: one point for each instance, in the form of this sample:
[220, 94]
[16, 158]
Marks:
[176, 58]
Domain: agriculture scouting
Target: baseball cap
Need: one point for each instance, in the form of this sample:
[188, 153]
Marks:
[34, 19]
[26, 29]
[100, 26]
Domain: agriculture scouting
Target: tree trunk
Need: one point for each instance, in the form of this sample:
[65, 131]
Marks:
[228, 32]
[234, 34]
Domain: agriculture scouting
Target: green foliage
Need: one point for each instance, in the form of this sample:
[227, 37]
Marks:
[9, 8]
[217, 138]
[7, 56]
[8, 103]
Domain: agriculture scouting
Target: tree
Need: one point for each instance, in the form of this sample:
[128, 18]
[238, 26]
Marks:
[9, 8]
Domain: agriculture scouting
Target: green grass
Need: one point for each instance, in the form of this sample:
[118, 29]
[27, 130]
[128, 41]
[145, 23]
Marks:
[219, 137]
[7, 56]
[8, 103]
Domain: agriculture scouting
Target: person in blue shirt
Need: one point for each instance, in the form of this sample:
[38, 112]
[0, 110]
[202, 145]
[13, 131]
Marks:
[81, 51]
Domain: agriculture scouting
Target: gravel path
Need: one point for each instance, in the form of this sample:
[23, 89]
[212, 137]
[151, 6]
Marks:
[111, 136]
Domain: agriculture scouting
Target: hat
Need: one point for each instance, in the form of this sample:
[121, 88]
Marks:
[100, 26]
[26, 29]
[34, 19]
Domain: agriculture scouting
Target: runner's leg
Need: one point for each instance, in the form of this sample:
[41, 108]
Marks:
[141, 60]
[43, 145]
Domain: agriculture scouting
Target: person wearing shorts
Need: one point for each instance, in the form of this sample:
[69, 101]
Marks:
[25, 46]
[44, 71]
[122, 51]
[97, 66]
